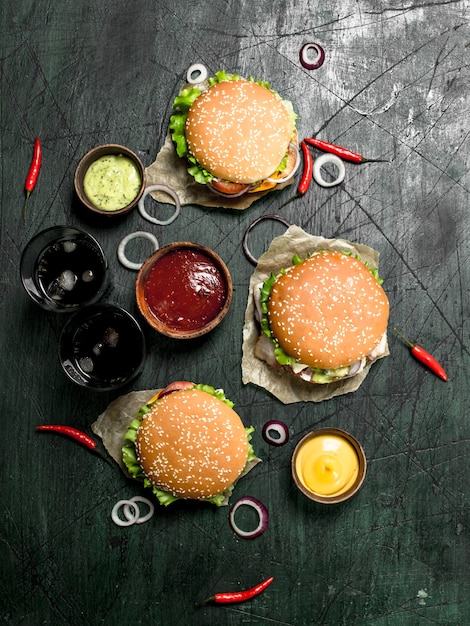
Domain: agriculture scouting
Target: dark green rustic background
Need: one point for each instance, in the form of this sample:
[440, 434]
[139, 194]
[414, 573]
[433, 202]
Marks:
[394, 85]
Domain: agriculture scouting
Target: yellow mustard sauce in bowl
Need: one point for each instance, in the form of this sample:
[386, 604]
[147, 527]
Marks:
[328, 465]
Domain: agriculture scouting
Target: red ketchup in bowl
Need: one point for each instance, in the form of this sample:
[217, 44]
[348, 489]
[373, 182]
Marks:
[185, 290]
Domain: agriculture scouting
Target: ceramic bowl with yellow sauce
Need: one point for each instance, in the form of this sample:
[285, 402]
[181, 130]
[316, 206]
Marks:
[110, 180]
[329, 465]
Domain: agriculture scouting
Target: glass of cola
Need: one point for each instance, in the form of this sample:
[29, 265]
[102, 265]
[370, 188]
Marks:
[63, 269]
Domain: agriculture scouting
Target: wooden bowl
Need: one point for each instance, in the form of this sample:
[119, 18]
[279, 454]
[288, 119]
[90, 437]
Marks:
[320, 452]
[184, 290]
[93, 155]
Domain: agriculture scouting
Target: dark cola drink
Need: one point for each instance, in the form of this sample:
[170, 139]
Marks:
[70, 272]
[102, 347]
[64, 268]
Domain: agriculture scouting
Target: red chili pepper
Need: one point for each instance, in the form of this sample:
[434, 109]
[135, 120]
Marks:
[33, 172]
[306, 178]
[424, 357]
[73, 433]
[230, 597]
[343, 153]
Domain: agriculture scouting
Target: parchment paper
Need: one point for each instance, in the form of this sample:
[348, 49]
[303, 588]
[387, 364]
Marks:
[281, 383]
[169, 169]
[112, 424]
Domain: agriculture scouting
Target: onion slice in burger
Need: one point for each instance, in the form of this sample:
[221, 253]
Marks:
[355, 367]
[279, 181]
[280, 430]
[263, 517]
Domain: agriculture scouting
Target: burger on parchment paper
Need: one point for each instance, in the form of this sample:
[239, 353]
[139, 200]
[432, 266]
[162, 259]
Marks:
[231, 141]
[316, 318]
[183, 442]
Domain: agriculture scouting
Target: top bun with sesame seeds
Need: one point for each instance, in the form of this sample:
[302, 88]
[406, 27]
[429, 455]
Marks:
[239, 131]
[326, 316]
[238, 135]
[190, 444]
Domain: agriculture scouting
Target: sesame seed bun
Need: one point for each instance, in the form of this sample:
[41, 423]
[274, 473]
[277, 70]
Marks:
[238, 131]
[328, 311]
[191, 444]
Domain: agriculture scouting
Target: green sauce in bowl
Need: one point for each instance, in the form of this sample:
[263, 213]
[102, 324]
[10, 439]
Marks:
[112, 182]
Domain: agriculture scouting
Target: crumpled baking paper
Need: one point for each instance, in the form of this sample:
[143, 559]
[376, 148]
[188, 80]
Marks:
[112, 424]
[283, 385]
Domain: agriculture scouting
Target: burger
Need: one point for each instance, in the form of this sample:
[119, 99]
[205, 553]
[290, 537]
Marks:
[323, 319]
[237, 135]
[188, 443]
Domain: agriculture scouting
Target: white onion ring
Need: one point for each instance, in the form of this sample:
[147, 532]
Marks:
[278, 427]
[246, 250]
[121, 252]
[323, 160]
[141, 518]
[129, 518]
[200, 70]
[260, 509]
[317, 61]
[167, 190]
[131, 511]
[278, 181]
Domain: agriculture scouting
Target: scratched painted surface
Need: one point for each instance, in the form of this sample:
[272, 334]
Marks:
[394, 86]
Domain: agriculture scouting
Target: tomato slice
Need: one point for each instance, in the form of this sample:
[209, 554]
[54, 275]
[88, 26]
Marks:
[229, 189]
[179, 385]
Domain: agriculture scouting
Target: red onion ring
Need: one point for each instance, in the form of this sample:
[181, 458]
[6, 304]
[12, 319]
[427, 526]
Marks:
[246, 250]
[278, 427]
[260, 509]
[317, 61]
[355, 367]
